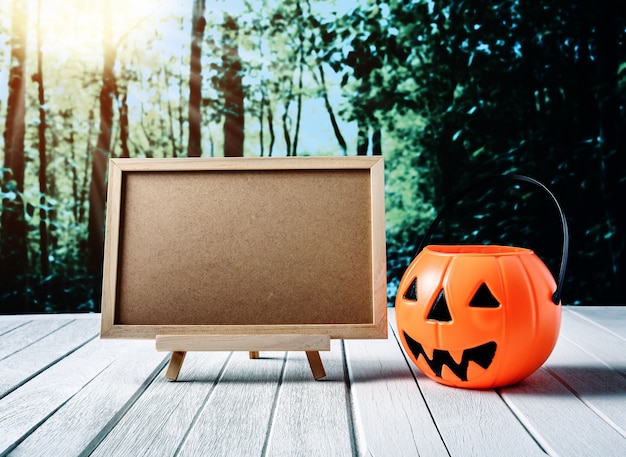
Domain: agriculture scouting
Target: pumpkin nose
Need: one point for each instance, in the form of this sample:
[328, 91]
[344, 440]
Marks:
[439, 311]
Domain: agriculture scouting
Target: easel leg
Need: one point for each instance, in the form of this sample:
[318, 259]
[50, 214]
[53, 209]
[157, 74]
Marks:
[315, 362]
[176, 362]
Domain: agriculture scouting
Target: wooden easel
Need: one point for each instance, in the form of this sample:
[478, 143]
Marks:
[179, 345]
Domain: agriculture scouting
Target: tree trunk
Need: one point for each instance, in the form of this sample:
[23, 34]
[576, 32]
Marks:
[300, 58]
[181, 115]
[43, 160]
[171, 136]
[286, 126]
[296, 134]
[331, 113]
[198, 23]
[13, 246]
[363, 141]
[377, 142]
[261, 119]
[233, 92]
[70, 162]
[80, 202]
[97, 190]
[124, 125]
[270, 127]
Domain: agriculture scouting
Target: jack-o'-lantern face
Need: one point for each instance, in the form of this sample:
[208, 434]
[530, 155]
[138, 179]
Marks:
[477, 316]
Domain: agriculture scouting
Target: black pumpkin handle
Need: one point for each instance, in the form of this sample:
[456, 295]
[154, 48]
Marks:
[556, 296]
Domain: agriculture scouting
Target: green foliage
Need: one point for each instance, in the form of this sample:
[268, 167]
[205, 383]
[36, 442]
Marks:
[508, 86]
[66, 288]
[460, 90]
[151, 51]
[407, 211]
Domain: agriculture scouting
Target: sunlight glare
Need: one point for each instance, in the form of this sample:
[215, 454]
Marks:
[74, 28]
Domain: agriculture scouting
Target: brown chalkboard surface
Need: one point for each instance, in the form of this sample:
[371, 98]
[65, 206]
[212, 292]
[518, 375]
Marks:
[245, 246]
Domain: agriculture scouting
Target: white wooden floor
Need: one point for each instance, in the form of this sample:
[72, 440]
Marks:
[65, 392]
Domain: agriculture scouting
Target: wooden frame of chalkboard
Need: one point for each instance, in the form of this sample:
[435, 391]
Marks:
[235, 248]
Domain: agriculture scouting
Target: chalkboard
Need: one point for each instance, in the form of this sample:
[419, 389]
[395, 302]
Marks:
[254, 246]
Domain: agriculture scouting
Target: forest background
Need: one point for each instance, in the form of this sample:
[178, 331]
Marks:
[448, 91]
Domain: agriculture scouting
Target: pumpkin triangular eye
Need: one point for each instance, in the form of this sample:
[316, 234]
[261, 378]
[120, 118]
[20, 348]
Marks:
[439, 311]
[411, 292]
[483, 298]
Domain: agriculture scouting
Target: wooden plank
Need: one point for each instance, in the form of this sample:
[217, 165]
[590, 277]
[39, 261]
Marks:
[613, 318]
[7, 325]
[390, 414]
[379, 249]
[574, 405]
[21, 366]
[312, 417]
[236, 342]
[111, 248]
[250, 163]
[597, 340]
[237, 414]
[28, 333]
[477, 422]
[474, 422]
[26, 408]
[86, 418]
[104, 396]
[159, 420]
[559, 420]
[602, 389]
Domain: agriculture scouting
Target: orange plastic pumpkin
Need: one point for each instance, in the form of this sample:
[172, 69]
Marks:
[479, 316]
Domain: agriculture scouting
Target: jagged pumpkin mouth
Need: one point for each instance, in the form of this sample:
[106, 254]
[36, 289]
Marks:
[481, 355]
